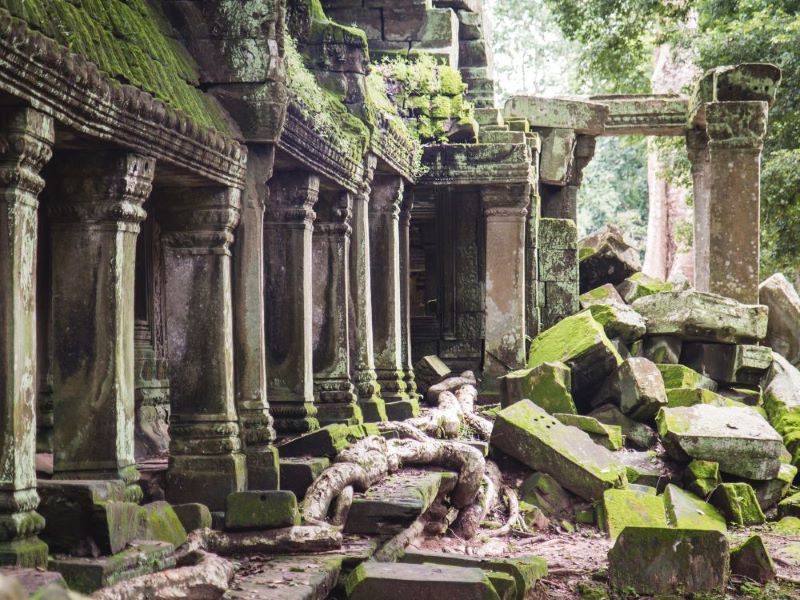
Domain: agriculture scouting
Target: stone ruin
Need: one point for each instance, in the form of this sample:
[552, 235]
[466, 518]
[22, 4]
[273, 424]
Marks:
[241, 239]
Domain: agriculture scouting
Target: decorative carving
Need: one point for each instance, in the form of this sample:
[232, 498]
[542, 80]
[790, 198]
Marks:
[740, 125]
[199, 220]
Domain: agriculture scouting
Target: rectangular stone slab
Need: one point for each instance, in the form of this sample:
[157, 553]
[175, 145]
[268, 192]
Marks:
[687, 511]
[289, 578]
[527, 433]
[742, 364]
[739, 439]
[393, 504]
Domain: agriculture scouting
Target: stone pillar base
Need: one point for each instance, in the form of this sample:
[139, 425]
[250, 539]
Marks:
[337, 402]
[411, 383]
[293, 417]
[129, 477]
[29, 553]
[373, 407]
[263, 472]
[400, 410]
[211, 478]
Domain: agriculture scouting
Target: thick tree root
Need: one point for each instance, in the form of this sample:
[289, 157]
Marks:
[393, 549]
[470, 518]
[513, 513]
[443, 421]
[450, 385]
[289, 540]
[341, 507]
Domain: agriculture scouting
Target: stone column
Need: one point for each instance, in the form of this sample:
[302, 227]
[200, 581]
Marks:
[362, 357]
[255, 422]
[405, 297]
[506, 209]
[95, 219]
[287, 270]
[206, 463]
[697, 150]
[26, 140]
[736, 133]
[333, 390]
[384, 231]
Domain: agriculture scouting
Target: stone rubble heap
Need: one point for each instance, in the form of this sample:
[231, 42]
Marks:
[661, 407]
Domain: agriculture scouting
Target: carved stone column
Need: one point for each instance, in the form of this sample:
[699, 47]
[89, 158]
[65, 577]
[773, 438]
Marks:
[697, 150]
[95, 219]
[337, 401]
[206, 463]
[506, 209]
[287, 269]
[255, 421]
[362, 357]
[26, 140]
[405, 297]
[384, 213]
[736, 133]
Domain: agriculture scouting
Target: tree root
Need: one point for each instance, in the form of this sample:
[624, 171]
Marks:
[443, 421]
[470, 518]
[341, 507]
[451, 384]
[513, 512]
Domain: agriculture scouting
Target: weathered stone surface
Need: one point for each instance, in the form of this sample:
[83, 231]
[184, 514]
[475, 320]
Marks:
[161, 523]
[630, 508]
[527, 433]
[293, 577]
[605, 294]
[738, 503]
[637, 434]
[606, 257]
[42, 585]
[326, 441]
[789, 506]
[429, 371]
[193, 515]
[739, 439]
[544, 492]
[782, 403]
[770, 492]
[662, 349]
[581, 343]
[647, 468]
[668, 561]
[548, 385]
[687, 511]
[749, 396]
[690, 397]
[783, 301]
[703, 317]
[608, 436]
[525, 570]
[681, 376]
[86, 575]
[619, 321]
[261, 510]
[640, 285]
[395, 502]
[702, 477]
[637, 387]
[297, 474]
[752, 560]
[400, 581]
[732, 364]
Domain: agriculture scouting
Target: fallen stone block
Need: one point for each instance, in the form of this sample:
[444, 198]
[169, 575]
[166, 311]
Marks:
[429, 371]
[702, 477]
[738, 502]
[619, 321]
[630, 508]
[739, 439]
[525, 570]
[271, 509]
[789, 506]
[678, 397]
[401, 581]
[86, 575]
[326, 441]
[787, 526]
[544, 492]
[193, 515]
[301, 577]
[526, 432]
[782, 403]
[669, 561]
[742, 395]
[662, 349]
[503, 584]
[680, 376]
[46, 584]
[161, 523]
[647, 468]
[640, 285]
[608, 436]
[752, 560]
[687, 511]
[783, 334]
[547, 385]
[636, 387]
[741, 364]
[605, 294]
[297, 474]
[606, 257]
[703, 317]
[636, 434]
[581, 343]
[770, 492]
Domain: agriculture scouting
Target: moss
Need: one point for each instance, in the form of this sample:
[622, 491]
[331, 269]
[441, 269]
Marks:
[630, 508]
[568, 339]
[702, 477]
[739, 503]
[787, 526]
[681, 376]
[609, 436]
[547, 386]
[687, 511]
[261, 510]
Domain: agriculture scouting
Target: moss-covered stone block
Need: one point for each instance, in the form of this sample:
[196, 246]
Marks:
[161, 523]
[608, 436]
[193, 515]
[772, 491]
[637, 387]
[547, 385]
[640, 285]
[297, 474]
[605, 294]
[261, 510]
[636, 434]
[326, 441]
[787, 526]
[630, 508]
[504, 584]
[681, 376]
[733, 364]
[619, 321]
[752, 560]
[738, 503]
[543, 491]
[702, 477]
[687, 511]
[789, 506]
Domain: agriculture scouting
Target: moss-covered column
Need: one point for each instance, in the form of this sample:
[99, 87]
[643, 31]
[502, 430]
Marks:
[255, 421]
[95, 217]
[506, 209]
[288, 231]
[384, 213]
[736, 133]
[333, 390]
[699, 159]
[362, 357]
[405, 297]
[206, 463]
[26, 140]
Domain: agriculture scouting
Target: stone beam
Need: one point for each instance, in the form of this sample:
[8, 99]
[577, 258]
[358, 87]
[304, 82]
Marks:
[663, 114]
[26, 137]
[582, 116]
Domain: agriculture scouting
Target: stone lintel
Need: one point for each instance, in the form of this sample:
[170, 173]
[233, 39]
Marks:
[477, 164]
[581, 115]
[646, 114]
